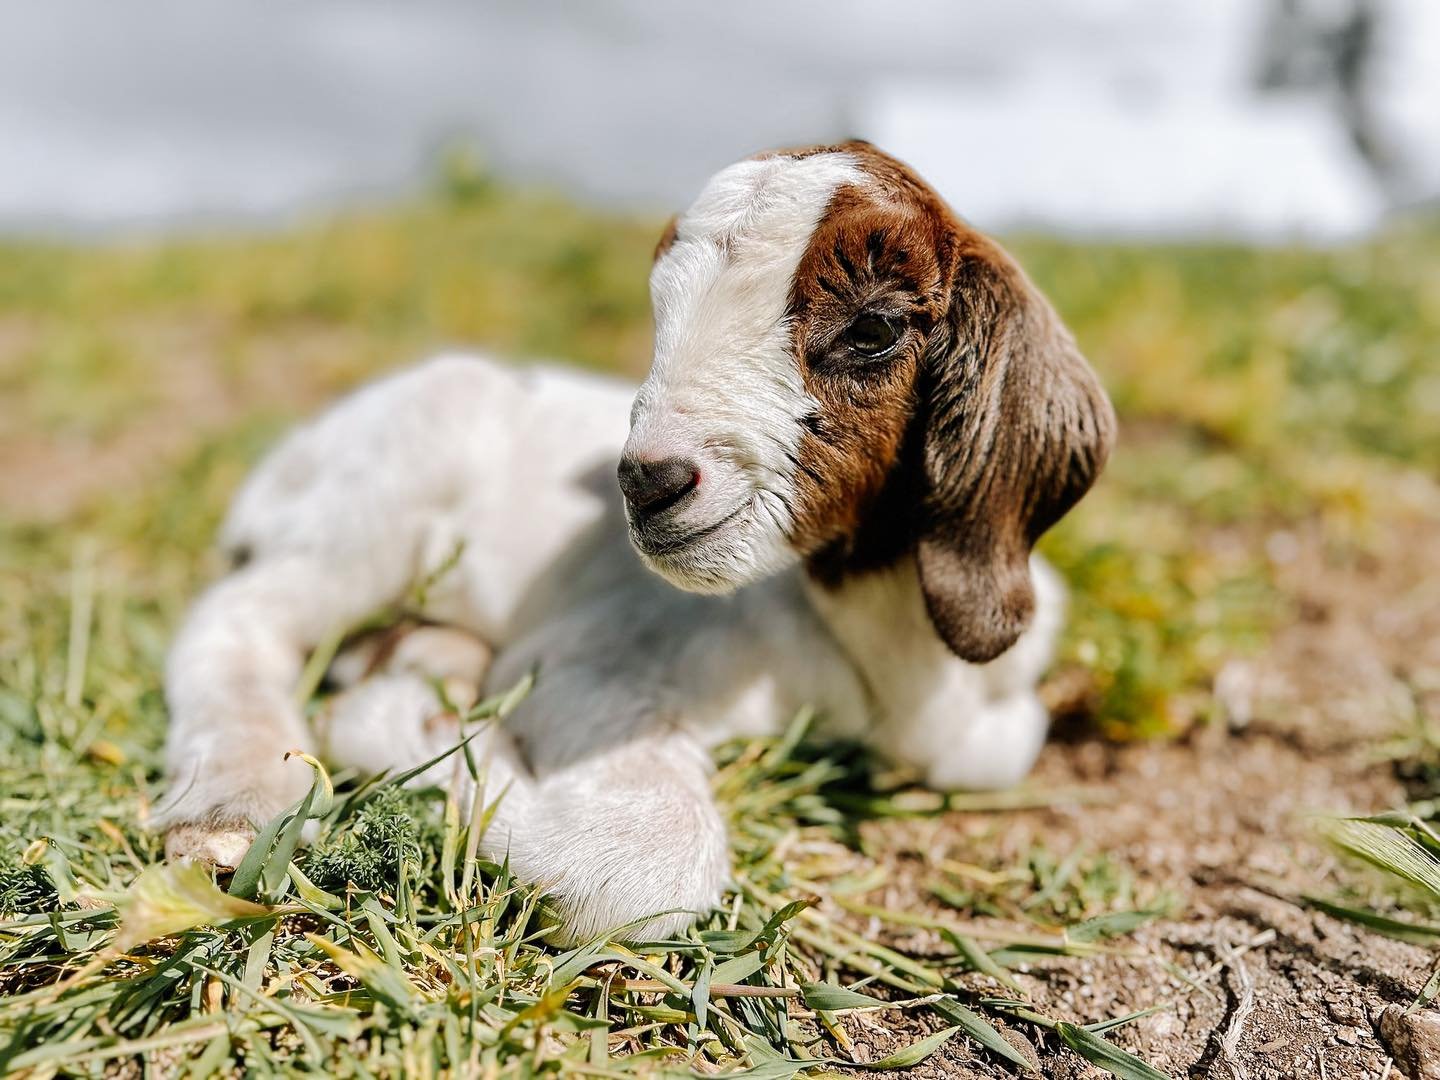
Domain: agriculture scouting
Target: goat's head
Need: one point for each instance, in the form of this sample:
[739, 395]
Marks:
[846, 373]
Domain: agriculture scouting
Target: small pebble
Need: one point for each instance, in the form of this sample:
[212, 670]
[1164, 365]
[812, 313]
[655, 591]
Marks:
[1413, 1040]
[1342, 1012]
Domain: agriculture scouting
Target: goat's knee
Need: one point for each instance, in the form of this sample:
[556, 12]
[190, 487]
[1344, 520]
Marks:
[632, 844]
[649, 882]
[996, 750]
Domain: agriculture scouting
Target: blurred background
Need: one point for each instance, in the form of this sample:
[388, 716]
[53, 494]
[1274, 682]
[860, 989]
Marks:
[214, 217]
[1260, 118]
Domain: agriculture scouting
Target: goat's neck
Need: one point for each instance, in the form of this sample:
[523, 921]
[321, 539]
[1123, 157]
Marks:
[879, 620]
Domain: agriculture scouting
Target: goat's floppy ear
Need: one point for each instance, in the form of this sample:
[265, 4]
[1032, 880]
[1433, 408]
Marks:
[667, 237]
[1015, 429]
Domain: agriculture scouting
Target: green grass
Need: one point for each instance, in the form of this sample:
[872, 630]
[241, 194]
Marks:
[1259, 391]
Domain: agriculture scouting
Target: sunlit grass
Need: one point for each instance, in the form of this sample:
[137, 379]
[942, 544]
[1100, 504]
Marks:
[377, 951]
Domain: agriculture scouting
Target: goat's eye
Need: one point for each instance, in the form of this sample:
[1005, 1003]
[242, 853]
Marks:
[872, 335]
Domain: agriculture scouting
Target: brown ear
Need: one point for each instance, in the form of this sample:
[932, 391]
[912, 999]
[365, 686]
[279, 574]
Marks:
[667, 237]
[1016, 429]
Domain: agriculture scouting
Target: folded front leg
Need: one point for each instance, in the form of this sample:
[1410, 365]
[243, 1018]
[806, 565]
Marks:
[630, 838]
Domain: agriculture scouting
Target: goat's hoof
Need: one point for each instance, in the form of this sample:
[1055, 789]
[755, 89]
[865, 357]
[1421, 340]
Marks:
[221, 844]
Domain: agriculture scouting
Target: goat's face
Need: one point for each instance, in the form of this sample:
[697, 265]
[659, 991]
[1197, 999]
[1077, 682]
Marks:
[845, 373]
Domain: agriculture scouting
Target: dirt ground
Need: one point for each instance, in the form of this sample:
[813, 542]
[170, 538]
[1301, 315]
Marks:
[1223, 819]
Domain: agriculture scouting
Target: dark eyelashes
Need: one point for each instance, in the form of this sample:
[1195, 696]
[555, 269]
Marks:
[875, 246]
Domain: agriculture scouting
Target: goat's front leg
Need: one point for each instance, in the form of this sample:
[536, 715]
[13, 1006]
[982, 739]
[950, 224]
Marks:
[230, 681]
[629, 838]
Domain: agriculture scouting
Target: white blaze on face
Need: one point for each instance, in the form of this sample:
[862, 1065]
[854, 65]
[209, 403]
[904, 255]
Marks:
[725, 390]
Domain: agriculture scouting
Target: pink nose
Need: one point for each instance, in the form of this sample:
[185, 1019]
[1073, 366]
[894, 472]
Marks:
[651, 486]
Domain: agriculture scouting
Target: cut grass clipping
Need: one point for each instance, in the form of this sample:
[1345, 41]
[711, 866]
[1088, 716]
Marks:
[386, 947]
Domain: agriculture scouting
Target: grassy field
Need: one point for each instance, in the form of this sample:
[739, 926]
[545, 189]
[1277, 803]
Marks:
[1265, 396]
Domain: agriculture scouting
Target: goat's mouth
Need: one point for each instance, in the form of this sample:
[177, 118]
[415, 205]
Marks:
[662, 541]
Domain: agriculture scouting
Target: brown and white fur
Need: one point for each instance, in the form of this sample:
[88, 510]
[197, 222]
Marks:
[852, 530]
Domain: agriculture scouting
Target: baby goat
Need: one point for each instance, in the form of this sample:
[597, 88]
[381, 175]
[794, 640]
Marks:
[860, 418]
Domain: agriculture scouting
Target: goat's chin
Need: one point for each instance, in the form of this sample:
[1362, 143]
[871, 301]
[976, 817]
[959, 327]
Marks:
[689, 578]
[722, 564]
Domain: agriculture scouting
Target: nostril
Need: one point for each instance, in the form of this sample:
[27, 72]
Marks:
[654, 485]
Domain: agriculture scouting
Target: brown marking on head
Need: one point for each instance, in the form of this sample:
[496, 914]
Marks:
[963, 441]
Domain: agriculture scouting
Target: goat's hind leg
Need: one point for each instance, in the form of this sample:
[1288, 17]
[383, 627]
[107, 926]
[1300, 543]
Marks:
[336, 524]
[230, 684]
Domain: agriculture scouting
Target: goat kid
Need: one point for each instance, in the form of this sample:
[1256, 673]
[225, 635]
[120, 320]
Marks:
[860, 418]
